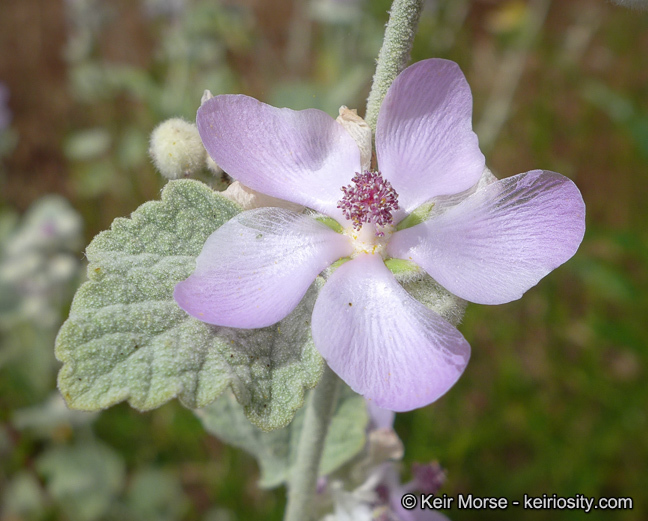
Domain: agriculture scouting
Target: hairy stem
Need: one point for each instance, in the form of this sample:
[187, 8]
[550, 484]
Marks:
[303, 480]
[394, 53]
[393, 57]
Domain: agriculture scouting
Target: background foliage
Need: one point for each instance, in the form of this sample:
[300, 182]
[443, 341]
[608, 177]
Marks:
[554, 398]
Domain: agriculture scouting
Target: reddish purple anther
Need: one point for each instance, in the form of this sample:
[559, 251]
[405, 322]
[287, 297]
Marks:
[369, 200]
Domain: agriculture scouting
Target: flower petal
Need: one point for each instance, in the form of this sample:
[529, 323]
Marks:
[424, 140]
[381, 341]
[500, 241]
[301, 156]
[255, 269]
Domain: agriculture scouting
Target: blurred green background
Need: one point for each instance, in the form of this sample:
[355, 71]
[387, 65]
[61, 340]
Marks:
[554, 399]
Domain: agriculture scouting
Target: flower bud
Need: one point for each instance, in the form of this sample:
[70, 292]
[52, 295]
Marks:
[176, 148]
[360, 132]
[212, 166]
[207, 95]
[250, 199]
[209, 162]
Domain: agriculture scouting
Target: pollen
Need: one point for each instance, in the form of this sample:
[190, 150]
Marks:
[369, 199]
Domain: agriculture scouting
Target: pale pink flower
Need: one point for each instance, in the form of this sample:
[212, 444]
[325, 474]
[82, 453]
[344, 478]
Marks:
[488, 246]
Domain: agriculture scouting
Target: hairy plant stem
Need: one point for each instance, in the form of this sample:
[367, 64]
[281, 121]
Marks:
[303, 481]
[392, 59]
[394, 53]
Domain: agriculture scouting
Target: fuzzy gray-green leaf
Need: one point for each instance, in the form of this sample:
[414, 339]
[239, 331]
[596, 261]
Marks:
[126, 339]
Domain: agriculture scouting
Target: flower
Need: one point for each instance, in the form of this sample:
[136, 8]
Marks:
[489, 244]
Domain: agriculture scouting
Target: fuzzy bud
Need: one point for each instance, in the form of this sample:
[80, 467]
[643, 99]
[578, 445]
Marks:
[250, 199]
[209, 162]
[360, 132]
[212, 166]
[176, 148]
[207, 95]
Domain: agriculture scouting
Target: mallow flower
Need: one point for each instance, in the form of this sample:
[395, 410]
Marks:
[485, 241]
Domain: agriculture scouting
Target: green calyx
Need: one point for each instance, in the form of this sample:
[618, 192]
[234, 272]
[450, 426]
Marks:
[331, 223]
[396, 266]
[402, 267]
[339, 262]
[418, 216]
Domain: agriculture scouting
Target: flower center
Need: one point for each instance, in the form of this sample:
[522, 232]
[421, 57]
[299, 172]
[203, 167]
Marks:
[370, 199]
